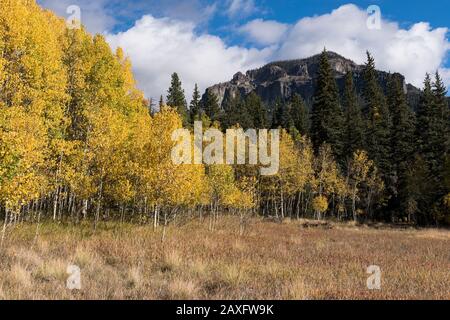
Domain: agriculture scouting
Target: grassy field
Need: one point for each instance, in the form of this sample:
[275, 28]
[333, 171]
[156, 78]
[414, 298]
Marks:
[292, 260]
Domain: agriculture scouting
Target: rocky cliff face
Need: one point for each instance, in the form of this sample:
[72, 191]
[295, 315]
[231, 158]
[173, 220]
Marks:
[284, 78]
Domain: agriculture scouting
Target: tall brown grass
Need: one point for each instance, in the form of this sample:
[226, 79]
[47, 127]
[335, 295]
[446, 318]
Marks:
[294, 260]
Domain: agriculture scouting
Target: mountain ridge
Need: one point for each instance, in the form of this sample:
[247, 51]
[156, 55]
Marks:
[282, 79]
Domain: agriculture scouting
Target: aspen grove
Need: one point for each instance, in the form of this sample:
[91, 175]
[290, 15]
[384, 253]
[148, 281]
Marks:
[79, 142]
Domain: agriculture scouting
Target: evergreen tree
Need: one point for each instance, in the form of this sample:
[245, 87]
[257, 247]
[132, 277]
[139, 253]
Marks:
[277, 113]
[354, 126]
[433, 130]
[326, 118]
[211, 106]
[299, 114]
[432, 134]
[255, 109]
[291, 114]
[195, 106]
[161, 102]
[229, 105]
[176, 98]
[402, 139]
[236, 113]
[446, 175]
[377, 120]
[423, 129]
[286, 119]
[420, 191]
[440, 127]
[432, 124]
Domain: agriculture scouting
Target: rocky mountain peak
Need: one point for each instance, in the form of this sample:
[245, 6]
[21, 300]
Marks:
[282, 79]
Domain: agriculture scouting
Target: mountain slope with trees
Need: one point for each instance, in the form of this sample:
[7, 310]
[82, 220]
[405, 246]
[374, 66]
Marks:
[281, 80]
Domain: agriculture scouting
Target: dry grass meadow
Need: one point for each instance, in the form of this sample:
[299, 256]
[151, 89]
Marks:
[291, 260]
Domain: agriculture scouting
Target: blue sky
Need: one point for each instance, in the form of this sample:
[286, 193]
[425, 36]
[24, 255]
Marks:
[405, 11]
[209, 41]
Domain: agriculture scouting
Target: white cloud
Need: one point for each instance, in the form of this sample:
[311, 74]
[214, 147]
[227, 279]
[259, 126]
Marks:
[241, 8]
[264, 32]
[158, 47]
[412, 52]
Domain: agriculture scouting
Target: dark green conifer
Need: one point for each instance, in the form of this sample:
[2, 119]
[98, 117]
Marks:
[176, 98]
[354, 126]
[195, 106]
[327, 117]
[211, 106]
[299, 114]
[402, 142]
[377, 119]
[257, 112]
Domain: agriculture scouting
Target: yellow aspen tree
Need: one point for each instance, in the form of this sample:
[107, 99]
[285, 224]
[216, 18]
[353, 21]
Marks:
[328, 181]
[320, 204]
[305, 168]
[159, 169]
[222, 183]
[358, 172]
[22, 161]
[33, 90]
[375, 187]
[246, 201]
[296, 170]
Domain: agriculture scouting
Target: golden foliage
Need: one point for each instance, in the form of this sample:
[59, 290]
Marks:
[320, 204]
[74, 124]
